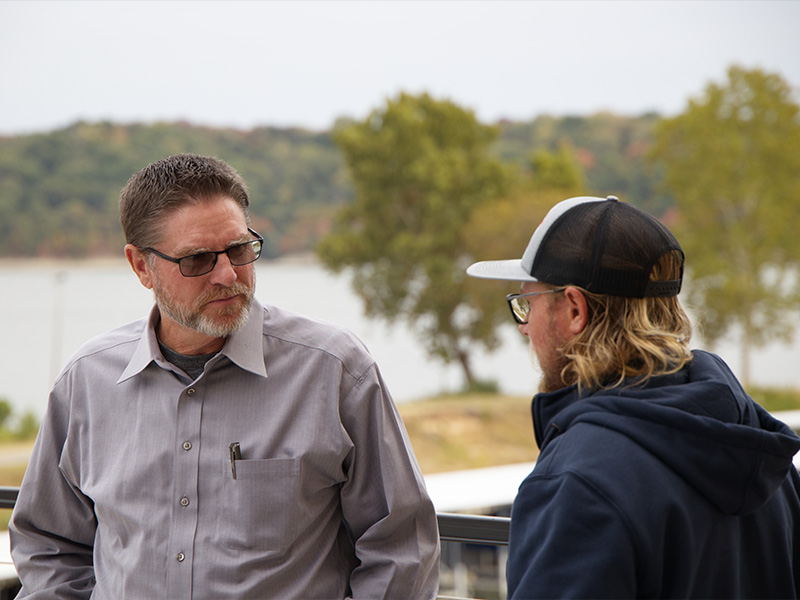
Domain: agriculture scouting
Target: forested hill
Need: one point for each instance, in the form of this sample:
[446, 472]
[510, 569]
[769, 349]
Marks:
[59, 190]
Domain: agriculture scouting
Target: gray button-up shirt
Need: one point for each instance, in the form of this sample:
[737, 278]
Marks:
[131, 491]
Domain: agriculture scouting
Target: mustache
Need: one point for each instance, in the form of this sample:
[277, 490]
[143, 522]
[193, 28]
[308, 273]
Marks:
[237, 289]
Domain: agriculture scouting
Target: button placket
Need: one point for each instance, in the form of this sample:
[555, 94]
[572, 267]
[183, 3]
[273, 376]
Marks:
[183, 525]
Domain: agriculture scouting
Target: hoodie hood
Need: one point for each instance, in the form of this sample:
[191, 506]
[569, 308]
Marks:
[699, 422]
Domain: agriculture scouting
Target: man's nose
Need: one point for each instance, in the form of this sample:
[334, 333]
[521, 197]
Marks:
[223, 272]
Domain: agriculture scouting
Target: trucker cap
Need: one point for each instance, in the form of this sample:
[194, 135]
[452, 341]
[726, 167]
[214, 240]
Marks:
[600, 244]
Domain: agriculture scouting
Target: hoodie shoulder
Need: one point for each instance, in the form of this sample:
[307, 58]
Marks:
[681, 421]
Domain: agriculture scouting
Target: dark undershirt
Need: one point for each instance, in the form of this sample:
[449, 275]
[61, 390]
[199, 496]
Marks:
[192, 365]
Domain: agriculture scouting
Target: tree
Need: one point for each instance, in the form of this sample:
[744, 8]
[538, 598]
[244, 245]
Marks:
[26, 427]
[420, 166]
[732, 163]
[5, 412]
[501, 229]
[59, 192]
[610, 149]
[556, 170]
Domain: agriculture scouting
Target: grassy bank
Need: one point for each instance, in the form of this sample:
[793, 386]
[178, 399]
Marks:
[466, 432]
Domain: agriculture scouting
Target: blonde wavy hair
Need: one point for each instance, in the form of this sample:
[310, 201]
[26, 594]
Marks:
[628, 338]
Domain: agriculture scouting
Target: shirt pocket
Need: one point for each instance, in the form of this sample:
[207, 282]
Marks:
[261, 505]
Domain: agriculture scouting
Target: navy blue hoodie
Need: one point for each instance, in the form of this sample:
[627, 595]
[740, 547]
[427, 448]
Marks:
[683, 488]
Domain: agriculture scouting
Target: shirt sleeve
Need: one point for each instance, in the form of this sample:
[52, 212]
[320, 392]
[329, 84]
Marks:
[53, 525]
[384, 501]
[568, 540]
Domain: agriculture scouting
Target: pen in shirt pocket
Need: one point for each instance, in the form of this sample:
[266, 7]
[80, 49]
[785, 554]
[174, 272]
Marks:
[236, 454]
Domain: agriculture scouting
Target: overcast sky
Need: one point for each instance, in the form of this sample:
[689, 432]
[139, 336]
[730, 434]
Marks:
[305, 63]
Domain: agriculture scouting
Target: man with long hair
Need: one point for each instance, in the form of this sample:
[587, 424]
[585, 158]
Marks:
[658, 476]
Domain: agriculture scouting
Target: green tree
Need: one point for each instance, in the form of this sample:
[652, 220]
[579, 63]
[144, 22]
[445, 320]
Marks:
[501, 229]
[27, 426]
[610, 149]
[420, 166]
[732, 163]
[5, 412]
[556, 170]
[59, 192]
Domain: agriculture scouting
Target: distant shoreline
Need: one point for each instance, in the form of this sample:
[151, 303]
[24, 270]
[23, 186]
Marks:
[28, 263]
[52, 263]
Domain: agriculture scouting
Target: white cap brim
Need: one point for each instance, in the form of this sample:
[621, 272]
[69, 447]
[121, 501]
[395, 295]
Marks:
[520, 269]
[510, 270]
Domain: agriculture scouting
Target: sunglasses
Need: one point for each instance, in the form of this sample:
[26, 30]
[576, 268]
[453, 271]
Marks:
[201, 263]
[521, 306]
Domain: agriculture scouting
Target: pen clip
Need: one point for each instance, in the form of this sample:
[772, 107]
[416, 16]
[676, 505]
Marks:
[236, 454]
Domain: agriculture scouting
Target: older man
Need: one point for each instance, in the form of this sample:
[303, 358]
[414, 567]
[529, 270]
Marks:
[658, 476]
[219, 448]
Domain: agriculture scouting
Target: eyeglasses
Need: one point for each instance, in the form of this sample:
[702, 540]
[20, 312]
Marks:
[201, 263]
[521, 307]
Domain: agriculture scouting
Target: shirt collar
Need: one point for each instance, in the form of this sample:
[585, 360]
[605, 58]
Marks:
[243, 347]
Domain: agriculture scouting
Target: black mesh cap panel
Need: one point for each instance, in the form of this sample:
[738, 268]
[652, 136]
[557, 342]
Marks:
[607, 248]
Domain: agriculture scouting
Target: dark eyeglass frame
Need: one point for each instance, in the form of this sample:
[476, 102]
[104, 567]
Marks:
[184, 261]
[513, 299]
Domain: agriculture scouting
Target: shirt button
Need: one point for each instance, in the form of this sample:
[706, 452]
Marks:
[187, 445]
[184, 501]
[190, 392]
[181, 556]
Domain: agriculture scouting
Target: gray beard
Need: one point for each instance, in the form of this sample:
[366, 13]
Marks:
[191, 317]
[203, 323]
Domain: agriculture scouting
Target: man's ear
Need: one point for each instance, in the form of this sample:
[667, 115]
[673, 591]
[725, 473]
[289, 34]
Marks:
[577, 313]
[140, 265]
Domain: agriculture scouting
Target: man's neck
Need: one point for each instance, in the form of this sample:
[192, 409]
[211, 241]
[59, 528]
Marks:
[191, 365]
[185, 341]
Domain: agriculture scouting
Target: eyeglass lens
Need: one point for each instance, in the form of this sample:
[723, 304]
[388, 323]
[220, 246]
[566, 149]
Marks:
[200, 264]
[521, 308]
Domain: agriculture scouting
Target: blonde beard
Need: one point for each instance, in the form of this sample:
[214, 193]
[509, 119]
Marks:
[551, 379]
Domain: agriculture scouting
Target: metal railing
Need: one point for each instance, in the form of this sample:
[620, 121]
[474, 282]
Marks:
[469, 529]
[473, 529]
[9, 583]
[453, 527]
[8, 496]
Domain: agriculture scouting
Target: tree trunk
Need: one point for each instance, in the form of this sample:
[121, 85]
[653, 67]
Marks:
[463, 359]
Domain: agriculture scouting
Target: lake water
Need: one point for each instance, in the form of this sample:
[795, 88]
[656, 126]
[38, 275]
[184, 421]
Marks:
[48, 309]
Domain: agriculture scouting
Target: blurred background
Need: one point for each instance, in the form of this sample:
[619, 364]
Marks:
[387, 145]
